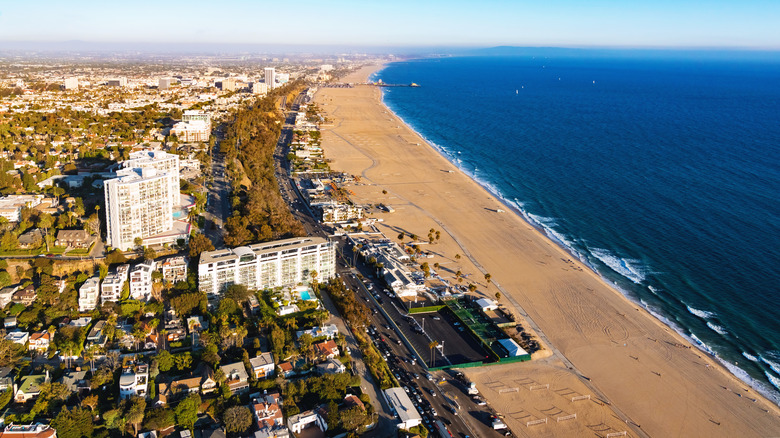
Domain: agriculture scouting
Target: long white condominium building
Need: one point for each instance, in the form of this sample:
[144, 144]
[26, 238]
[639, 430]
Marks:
[270, 72]
[267, 265]
[140, 201]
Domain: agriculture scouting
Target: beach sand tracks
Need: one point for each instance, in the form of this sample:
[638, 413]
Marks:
[573, 307]
[603, 430]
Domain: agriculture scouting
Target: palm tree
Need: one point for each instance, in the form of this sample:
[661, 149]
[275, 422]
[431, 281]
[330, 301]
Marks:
[433, 346]
[487, 278]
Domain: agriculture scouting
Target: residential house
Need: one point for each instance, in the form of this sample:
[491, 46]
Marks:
[175, 330]
[174, 269]
[286, 370]
[34, 430]
[114, 283]
[24, 296]
[141, 281]
[331, 366]
[78, 322]
[268, 414]
[263, 365]
[31, 239]
[89, 292]
[287, 310]
[6, 378]
[76, 381]
[7, 294]
[20, 338]
[237, 377]
[9, 322]
[304, 420]
[40, 341]
[326, 349]
[134, 381]
[201, 381]
[328, 331]
[95, 335]
[30, 387]
[197, 323]
[74, 239]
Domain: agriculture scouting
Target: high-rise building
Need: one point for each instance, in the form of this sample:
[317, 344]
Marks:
[118, 82]
[72, 83]
[140, 201]
[164, 83]
[267, 265]
[229, 84]
[259, 88]
[270, 74]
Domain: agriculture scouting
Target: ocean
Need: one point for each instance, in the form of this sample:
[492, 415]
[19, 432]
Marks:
[661, 174]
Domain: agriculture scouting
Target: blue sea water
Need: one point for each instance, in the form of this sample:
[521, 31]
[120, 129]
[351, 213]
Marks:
[663, 175]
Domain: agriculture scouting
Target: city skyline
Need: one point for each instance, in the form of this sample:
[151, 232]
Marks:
[347, 23]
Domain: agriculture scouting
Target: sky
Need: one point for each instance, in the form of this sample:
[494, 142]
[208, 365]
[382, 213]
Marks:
[420, 23]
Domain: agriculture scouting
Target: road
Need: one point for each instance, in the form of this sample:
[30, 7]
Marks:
[218, 206]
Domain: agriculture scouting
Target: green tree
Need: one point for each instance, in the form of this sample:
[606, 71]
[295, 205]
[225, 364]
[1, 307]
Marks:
[183, 361]
[198, 244]
[135, 414]
[165, 361]
[149, 253]
[115, 419]
[498, 296]
[5, 279]
[237, 419]
[75, 423]
[159, 419]
[237, 292]
[187, 411]
[353, 417]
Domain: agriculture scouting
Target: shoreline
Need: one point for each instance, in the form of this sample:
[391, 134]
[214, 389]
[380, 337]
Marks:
[767, 391]
[541, 312]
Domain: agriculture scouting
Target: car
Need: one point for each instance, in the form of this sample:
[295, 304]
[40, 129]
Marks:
[432, 392]
[406, 388]
[436, 318]
[416, 376]
[433, 412]
[398, 341]
[452, 410]
[429, 376]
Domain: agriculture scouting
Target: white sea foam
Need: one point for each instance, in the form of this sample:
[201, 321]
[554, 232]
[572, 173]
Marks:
[772, 362]
[720, 330]
[653, 290]
[750, 357]
[703, 314]
[628, 268]
[774, 379]
[703, 345]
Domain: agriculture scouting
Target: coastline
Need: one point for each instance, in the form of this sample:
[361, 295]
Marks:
[653, 405]
[767, 392]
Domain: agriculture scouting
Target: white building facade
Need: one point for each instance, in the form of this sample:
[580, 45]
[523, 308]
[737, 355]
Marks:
[141, 200]
[141, 281]
[267, 265]
[89, 292]
[111, 288]
[270, 74]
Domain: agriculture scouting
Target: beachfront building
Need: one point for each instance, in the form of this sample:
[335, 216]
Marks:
[336, 213]
[408, 416]
[141, 281]
[142, 199]
[89, 292]
[267, 265]
[111, 288]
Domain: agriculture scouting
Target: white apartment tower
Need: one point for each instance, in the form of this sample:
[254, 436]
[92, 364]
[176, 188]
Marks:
[270, 74]
[88, 294]
[141, 199]
[71, 83]
[267, 265]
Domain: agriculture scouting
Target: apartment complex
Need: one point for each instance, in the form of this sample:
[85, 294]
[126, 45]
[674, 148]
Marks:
[89, 292]
[140, 202]
[111, 289]
[195, 126]
[11, 205]
[141, 281]
[267, 265]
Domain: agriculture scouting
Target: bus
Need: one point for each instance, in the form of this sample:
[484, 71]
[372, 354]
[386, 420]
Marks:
[442, 430]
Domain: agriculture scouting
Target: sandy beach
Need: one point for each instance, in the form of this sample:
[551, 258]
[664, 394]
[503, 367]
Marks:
[644, 378]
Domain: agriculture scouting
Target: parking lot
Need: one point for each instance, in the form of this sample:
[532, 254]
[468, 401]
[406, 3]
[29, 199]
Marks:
[458, 345]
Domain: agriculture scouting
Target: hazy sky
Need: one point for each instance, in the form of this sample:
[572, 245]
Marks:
[655, 23]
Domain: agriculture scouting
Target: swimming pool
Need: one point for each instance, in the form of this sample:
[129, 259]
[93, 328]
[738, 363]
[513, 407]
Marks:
[305, 296]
